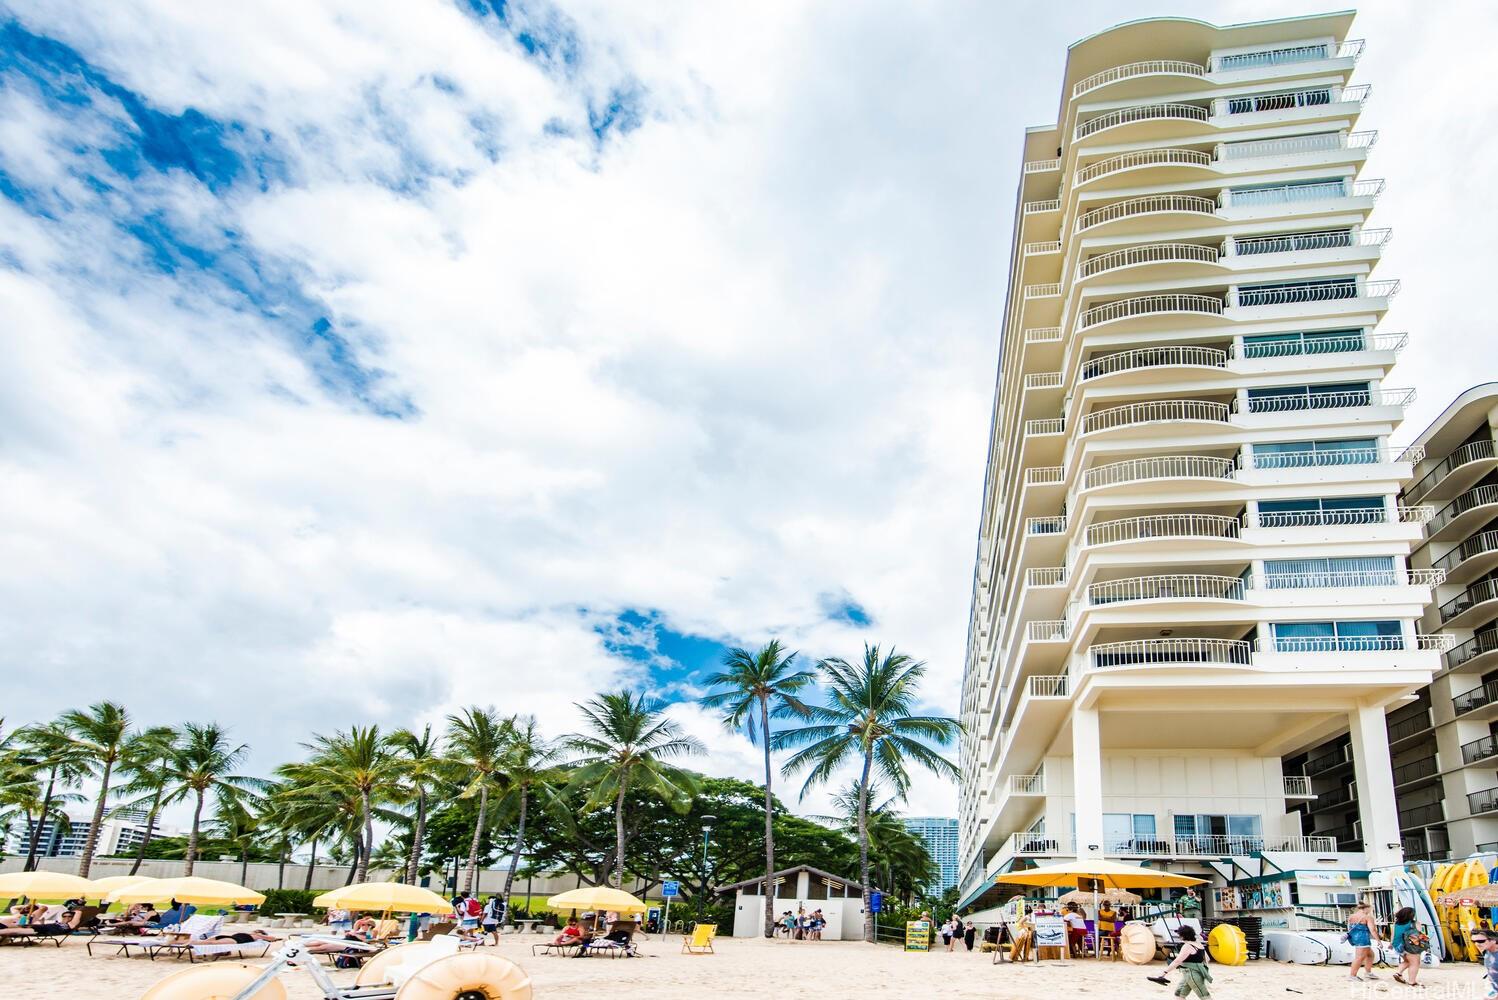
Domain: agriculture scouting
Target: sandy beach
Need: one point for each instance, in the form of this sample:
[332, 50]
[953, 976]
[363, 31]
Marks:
[755, 968]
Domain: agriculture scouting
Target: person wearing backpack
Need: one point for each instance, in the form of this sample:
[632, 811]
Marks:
[1411, 943]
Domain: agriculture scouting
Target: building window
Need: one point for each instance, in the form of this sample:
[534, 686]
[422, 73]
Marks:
[1303, 454]
[1280, 102]
[1275, 194]
[1313, 637]
[1320, 511]
[1280, 345]
[1341, 571]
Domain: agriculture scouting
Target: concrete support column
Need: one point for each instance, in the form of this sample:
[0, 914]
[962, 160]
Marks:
[1087, 781]
[1377, 811]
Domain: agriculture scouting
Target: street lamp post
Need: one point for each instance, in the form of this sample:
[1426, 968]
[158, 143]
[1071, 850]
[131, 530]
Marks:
[707, 833]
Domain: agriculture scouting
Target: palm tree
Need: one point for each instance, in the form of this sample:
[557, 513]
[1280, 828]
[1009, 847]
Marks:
[755, 688]
[869, 720]
[100, 732]
[146, 764]
[201, 766]
[531, 771]
[359, 762]
[49, 747]
[897, 857]
[626, 747]
[309, 812]
[422, 766]
[477, 741]
[235, 823]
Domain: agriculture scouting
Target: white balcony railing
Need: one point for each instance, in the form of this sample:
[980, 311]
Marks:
[1045, 576]
[1044, 425]
[1162, 526]
[1243, 246]
[1330, 458]
[1150, 253]
[1146, 67]
[1293, 145]
[1170, 652]
[1171, 587]
[1046, 291]
[1053, 525]
[1287, 100]
[1140, 113]
[1325, 400]
[1159, 467]
[1142, 158]
[1046, 205]
[1041, 246]
[1298, 786]
[1027, 784]
[1058, 630]
[1287, 54]
[1313, 291]
[1292, 194]
[1157, 411]
[1043, 335]
[1044, 475]
[1154, 357]
[1043, 380]
[1351, 643]
[1042, 166]
[1354, 578]
[1482, 496]
[1474, 451]
[1147, 204]
[1335, 518]
[1145, 305]
[1049, 685]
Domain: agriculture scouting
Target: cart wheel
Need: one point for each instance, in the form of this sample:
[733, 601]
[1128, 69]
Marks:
[219, 981]
[468, 977]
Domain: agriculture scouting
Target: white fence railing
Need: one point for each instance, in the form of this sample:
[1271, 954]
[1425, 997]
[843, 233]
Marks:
[1334, 518]
[1049, 525]
[1290, 242]
[1170, 652]
[1142, 158]
[1044, 475]
[1155, 411]
[1027, 784]
[1143, 68]
[1140, 113]
[1042, 246]
[1313, 291]
[1474, 451]
[1042, 166]
[1162, 526]
[1154, 357]
[1044, 425]
[1171, 587]
[1043, 335]
[1049, 685]
[1145, 305]
[1147, 204]
[1150, 253]
[1323, 142]
[1298, 786]
[1481, 496]
[1045, 291]
[1045, 576]
[1159, 467]
[1479, 544]
[1047, 205]
[1327, 458]
[1337, 400]
[1058, 630]
[1043, 380]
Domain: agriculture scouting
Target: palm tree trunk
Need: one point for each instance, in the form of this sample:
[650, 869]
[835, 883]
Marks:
[519, 846]
[92, 841]
[764, 722]
[192, 838]
[368, 836]
[281, 865]
[619, 832]
[145, 841]
[354, 862]
[414, 863]
[311, 867]
[36, 829]
[244, 866]
[478, 834]
[863, 842]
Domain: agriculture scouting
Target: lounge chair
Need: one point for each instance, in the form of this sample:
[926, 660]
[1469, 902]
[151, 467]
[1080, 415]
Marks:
[437, 930]
[700, 941]
[552, 948]
[612, 947]
[171, 939]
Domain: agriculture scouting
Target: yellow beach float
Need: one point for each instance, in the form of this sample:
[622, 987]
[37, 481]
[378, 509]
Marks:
[219, 981]
[1227, 945]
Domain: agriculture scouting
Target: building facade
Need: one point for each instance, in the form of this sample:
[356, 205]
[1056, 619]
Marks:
[119, 834]
[939, 834]
[1193, 562]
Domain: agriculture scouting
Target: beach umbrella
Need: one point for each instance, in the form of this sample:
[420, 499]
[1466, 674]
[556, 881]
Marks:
[104, 886]
[597, 897]
[1477, 895]
[1111, 874]
[1118, 897]
[188, 889]
[387, 897]
[45, 885]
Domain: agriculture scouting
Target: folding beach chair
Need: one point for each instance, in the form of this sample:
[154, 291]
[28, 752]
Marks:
[700, 941]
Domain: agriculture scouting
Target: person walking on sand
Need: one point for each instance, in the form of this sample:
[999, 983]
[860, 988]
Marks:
[1192, 961]
[1487, 951]
[1411, 943]
[1361, 934]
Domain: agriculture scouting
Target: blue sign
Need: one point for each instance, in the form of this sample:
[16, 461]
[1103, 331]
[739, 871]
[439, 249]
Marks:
[876, 902]
[670, 889]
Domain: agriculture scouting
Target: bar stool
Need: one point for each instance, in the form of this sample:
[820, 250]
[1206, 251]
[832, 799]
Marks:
[1107, 944]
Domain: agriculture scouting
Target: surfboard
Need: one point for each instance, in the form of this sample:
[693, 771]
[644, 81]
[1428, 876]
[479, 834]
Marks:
[1295, 947]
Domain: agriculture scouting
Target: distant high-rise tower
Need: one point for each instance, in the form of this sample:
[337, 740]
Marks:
[1193, 561]
[939, 834]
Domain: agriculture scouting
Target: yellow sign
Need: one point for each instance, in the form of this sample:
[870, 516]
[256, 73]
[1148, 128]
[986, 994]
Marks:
[917, 935]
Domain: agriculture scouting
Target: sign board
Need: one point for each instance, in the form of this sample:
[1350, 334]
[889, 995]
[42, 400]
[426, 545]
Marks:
[917, 935]
[1090, 884]
[876, 902]
[1050, 932]
[1323, 878]
[670, 889]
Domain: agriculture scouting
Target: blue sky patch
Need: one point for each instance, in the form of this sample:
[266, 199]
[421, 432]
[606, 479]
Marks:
[671, 658]
[841, 607]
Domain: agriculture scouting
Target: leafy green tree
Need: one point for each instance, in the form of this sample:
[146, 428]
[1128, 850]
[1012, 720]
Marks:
[361, 764]
[202, 766]
[752, 689]
[870, 720]
[422, 768]
[627, 744]
[101, 733]
[532, 771]
[146, 763]
[47, 748]
[477, 741]
[449, 838]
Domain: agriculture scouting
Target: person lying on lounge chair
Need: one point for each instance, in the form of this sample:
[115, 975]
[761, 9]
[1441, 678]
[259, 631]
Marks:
[350, 939]
[240, 937]
[23, 913]
[66, 923]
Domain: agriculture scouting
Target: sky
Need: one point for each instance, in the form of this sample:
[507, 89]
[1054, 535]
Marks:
[363, 361]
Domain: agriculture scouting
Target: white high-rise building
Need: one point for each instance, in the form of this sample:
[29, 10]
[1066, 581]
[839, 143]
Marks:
[1193, 560]
[939, 834]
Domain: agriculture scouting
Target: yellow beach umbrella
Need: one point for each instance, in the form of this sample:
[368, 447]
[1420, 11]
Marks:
[45, 885]
[597, 897]
[104, 886]
[1111, 874]
[188, 889]
[387, 897]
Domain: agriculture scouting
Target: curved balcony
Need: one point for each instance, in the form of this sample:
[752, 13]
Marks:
[1148, 358]
[1464, 513]
[1472, 607]
[1335, 239]
[1477, 653]
[1142, 159]
[1301, 292]
[1328, 459]
[1472, 558]
[1334, 518]
[1188, 115]
[1170, 653]
[1152, 306]
[1147, 210]
[1160, 467]
[1337, 400]
[1171, 587]
[1161, 255]
[1160, 527]
[1135, 70]
[1295, 144]
[1473, 460]
[1157, 411]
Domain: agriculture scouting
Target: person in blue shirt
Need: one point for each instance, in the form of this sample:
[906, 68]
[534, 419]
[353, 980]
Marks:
[177, 913]
[1407, 940]
[1487, 950]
